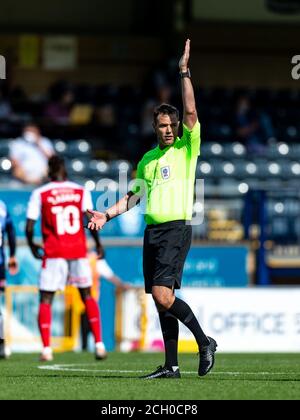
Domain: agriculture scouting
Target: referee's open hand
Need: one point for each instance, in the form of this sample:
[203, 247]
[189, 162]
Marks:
[184, 61]
[97, 221]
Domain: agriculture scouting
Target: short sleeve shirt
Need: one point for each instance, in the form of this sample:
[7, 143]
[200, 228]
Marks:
[61, 206]
[167, 178]
[32, 160]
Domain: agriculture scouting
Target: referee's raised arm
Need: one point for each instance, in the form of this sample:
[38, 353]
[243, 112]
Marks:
[190, 116]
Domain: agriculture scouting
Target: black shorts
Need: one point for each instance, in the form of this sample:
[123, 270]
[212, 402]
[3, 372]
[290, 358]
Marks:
[165, 249]
[2, 271]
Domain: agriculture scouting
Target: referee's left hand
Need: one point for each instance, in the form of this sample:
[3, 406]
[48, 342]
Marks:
[97, 221]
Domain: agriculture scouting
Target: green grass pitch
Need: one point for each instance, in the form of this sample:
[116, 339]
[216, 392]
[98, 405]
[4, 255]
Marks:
[78, 376]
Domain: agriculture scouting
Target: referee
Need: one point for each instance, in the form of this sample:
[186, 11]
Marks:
[166, 176]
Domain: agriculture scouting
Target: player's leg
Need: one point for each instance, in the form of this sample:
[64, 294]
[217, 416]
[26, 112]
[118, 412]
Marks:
[176, 255]
[81, 276]
[84, 331]
[53, 277]
[171, 248]
[168, 323]
[2, 288]
[164, 298]
[170, 331]
[94, 318]
[44, 322]
[182, 311]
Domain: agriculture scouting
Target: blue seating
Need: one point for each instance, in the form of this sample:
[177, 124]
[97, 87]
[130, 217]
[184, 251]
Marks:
[4, 147]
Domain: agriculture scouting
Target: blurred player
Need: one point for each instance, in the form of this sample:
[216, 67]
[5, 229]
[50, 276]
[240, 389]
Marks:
[168, 177]
[6, 228]
[62, 205]
[104, 270]
[100, 269]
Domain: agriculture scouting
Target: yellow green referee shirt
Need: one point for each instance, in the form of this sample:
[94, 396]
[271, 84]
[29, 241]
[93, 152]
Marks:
[167, 177]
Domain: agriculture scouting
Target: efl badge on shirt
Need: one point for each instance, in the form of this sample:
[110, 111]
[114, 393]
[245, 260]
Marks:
[165, 172]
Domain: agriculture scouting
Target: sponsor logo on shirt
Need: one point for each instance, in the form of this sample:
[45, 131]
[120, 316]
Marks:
[165, 172]
[64, 198]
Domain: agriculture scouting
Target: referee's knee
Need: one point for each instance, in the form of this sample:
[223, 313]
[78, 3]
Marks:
[163, 301]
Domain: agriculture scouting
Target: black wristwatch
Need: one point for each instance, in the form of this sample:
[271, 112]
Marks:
[186, 74]
[107, 217]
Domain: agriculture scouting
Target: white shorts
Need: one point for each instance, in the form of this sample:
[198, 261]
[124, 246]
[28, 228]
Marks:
[58, 272]
[104, 269]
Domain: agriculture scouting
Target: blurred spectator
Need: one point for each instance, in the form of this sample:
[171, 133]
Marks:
[62, 99]
[105, 126]
[105, 115]
[21, 105]
[253, 128]
[163, 95]
[29, 155]
[6, 112]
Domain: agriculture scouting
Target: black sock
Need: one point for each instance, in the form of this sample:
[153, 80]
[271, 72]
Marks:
[183, 312]
[170, 329]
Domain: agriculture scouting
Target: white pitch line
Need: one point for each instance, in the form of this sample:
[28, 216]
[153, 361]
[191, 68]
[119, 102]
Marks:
[73, 368]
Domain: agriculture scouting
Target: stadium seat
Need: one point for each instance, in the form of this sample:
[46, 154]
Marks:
[5, 181]
[217, 168]
[230, 185]
[217, 130]
[292, 133]
[240, 168]
[78, 167]
[228, 169]
[4, 147]
[294, 170]
[204, 169]
[78, 148]
[277, 150]
[210, 150]
[253, 183]
[60, 146]
[120, 166]
[98, 168]
[295, 151]
[233, 150]
[5, 165]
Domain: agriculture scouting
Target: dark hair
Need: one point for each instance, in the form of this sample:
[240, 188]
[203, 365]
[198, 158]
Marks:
[165, 109]
[56, 168]
[30, 123]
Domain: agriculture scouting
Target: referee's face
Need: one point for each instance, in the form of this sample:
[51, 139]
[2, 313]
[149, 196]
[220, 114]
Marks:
[166, 129]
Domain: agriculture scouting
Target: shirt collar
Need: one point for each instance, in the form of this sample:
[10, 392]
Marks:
[160, 152]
